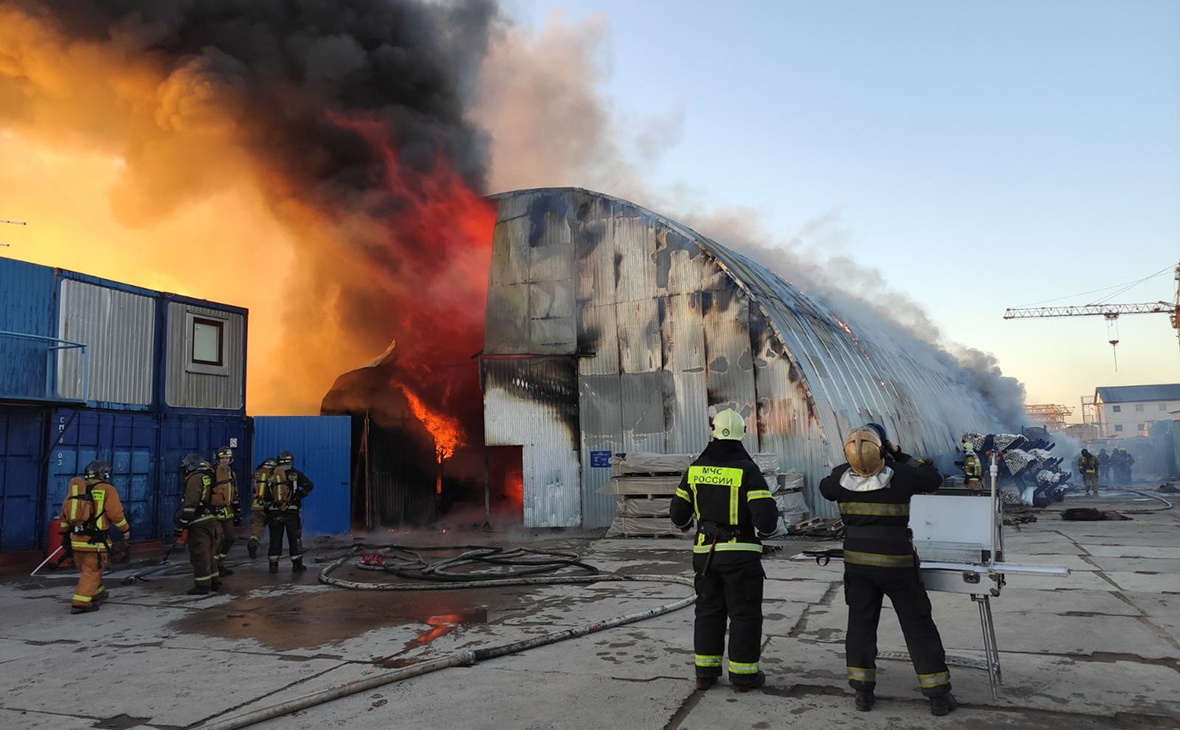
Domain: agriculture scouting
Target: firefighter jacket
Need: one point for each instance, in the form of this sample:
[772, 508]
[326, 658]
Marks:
[724, 488]
[287, 488]
[198, 490]
[972, 468]
[106, 511]
[259, 497]
[876, 510]
[1087, 464]
[224, 495]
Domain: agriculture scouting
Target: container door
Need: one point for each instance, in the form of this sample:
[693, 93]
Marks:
[321, 446]
[126, 441]
[22, 439]
[184, 434]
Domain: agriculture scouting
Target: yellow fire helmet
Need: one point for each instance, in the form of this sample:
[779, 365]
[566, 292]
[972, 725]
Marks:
[729, 425]
[862, 448]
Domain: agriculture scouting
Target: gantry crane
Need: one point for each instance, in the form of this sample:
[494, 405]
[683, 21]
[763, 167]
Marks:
[1111, 312]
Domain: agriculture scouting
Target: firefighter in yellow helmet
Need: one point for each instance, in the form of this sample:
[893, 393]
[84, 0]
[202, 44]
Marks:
[1088, 466]
[972, 469]
[873, 491]
[226, 505]
[199, 518]
[727, 495]
[287, 488]
[91, 508]
[258, 502]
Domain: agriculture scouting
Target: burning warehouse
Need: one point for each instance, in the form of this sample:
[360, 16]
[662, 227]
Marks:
[613, 329]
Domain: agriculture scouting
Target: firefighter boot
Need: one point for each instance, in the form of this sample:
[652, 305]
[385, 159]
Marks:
[274, 566]
[252, 548]
[225, 572]
[198, 591]
[942, 705]
[297, 565]
[84, 609]
[215, 585]
[704, 683]
[865, 700]
[758, 680]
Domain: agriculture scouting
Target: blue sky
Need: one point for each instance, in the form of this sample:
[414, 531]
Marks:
[981, 155]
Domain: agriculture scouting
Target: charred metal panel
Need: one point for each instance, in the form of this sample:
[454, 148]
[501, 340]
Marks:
[600, 413]
[635, 271]
[729, 365]
[686, 394]
[533, 403]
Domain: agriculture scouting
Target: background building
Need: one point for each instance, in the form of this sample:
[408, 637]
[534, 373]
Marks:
[95, 369]
[612, 329]
[1128, 411]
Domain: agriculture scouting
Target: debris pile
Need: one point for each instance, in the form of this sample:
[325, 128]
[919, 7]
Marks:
[1026, 467]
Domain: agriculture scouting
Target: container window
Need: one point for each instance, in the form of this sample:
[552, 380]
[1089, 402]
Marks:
[1118, 427]
[207, 341]
[1138, 407]
[1118, 409]
[1163, 406]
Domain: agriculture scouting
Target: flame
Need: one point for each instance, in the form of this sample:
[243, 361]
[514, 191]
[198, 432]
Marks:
[514, 488]
[446, 431]
[844, 326]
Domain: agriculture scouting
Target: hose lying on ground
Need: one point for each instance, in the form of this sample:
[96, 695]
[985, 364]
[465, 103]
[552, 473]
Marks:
[526, 563]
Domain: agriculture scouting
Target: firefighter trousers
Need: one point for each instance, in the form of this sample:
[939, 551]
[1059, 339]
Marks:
[1091, 481]
[288, 522]
[226, 529]
[864, 589]
[257, 524]
[90, 589]
[203, 541]
[729, 591]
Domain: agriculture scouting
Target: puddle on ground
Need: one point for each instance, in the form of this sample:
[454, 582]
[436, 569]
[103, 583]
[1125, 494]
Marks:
[311, 620]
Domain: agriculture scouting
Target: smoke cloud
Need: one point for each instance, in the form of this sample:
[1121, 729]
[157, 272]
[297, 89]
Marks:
[345, 120]
[551, 126]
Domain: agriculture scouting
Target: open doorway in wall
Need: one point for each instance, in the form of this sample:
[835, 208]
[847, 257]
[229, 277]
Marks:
[506, 485]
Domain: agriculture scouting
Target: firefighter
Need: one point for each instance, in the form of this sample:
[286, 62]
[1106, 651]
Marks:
[1127, 462]
[972, 469]
[873, 493]
[227, 506]
[1104, 466]
[88, 512]
[726, 494]
[287, 488]
[1088, 467]
[258, 504]
[199, 517]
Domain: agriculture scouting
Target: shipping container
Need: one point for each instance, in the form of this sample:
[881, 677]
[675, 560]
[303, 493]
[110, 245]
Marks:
[321, 446]
[26, 330]
[126, 440]
[22, 442]
[182, 434]
[204, 355]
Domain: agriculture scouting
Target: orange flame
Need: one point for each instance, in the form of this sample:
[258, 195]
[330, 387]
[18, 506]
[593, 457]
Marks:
[447, 433]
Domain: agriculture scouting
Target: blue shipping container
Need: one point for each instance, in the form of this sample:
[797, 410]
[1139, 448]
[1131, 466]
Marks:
[125, 440]
[22, 440]
[26, 307]
[184, 434]
[322, 446]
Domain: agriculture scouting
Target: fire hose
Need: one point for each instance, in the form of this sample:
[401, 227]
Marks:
[521, 566]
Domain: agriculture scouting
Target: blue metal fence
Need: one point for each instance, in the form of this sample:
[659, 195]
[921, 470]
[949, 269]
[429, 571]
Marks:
[321, 446]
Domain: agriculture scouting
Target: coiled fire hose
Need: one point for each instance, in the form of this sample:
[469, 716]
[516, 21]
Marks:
[521, 566]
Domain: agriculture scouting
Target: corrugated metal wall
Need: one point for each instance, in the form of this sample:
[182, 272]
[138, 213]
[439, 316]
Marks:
[26, 307]
[184, 386]
[321, 446]
[120, 329]
[533, 403]
[22, 441]
[672, 327]
[127, 441]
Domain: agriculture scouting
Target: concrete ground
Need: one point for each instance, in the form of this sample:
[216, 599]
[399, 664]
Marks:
[1100, 649]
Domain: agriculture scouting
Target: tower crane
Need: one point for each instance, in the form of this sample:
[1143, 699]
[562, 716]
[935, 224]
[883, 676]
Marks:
[1111, 312]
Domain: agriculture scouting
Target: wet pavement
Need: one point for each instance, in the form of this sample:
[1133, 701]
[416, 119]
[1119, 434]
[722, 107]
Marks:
[1100, 649]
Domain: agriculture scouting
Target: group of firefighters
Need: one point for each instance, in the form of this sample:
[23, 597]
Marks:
[726, 496]
[210, 511]
[1100, 465]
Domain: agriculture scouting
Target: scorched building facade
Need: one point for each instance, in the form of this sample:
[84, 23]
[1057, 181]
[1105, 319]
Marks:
[612, 329]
